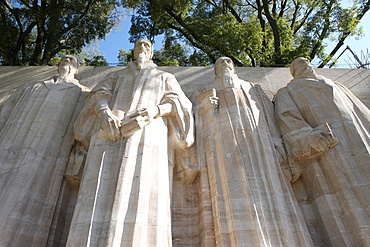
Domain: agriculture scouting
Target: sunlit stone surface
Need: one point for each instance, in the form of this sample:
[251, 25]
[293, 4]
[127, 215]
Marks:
[321, 191]
[327, 133]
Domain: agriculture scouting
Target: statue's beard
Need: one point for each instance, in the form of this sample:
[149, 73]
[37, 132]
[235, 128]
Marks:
[141, 59]
[308, 72]
[227, 77]
[64, 73]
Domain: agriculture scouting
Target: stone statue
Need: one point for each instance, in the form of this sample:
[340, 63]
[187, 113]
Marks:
[142, 117]
[326, 132]
[252, 201]
[35, 141]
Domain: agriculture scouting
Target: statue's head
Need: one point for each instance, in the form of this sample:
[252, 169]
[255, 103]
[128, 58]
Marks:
[222, 64]
[225, 71]
[143, 50]
[68, 65]
[302, 68]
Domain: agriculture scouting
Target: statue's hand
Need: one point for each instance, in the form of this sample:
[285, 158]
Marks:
[150, 113]
[318, 143]
[214, 102]
[322, 144]
[110, 124]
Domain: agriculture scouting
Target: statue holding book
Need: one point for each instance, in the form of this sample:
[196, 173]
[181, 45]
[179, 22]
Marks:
[132, 125]
[239, 143]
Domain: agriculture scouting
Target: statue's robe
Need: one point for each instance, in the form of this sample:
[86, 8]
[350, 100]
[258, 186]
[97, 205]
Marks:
[252, 201]
[124, 198]
[35, 141]
[326, 131]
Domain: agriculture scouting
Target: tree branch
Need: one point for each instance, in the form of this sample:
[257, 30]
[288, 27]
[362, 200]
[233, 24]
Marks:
[344, 36]
[232, 11]
[324, 31]
[302, 21]
[195, 39]
[275, 31]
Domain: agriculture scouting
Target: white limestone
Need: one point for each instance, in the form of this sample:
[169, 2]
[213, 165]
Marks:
[327, 133]
[35, 142]
[252, 202]
[331, 199]
[124, 197]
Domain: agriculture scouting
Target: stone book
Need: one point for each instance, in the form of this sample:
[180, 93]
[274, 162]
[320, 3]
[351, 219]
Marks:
[130, 125]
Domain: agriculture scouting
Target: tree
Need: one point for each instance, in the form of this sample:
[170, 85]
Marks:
[124, 57]
[171, 54]
[96, 61]
[175, 54]
[33, 32]
[91, 56]
[260, 32]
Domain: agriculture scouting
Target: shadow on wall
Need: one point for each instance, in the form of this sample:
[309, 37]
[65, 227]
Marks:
[190, 78]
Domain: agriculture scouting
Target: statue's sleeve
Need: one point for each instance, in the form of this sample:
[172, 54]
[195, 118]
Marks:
[267, 108]
[269, 115]
[9, 101]
[181, 120]
[301, 140]
[7, 105]
[88, 121]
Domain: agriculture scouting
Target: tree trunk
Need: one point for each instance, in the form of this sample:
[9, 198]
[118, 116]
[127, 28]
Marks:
[275, 31]
[36, 57]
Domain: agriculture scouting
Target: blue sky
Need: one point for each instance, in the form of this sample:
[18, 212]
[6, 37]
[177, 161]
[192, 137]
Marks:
[118, 39]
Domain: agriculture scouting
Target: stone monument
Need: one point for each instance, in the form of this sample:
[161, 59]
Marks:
[143, 117]
[326, 130]
[130, 177]
[35, 142]
[236, 138]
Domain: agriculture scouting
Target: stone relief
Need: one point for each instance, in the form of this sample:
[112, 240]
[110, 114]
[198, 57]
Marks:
[236, 130]
[326, 132]
[292, 172]
[35, 141]
[144, 117]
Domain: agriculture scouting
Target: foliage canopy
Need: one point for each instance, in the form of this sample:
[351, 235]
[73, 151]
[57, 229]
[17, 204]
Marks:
[259, 32]
[33, 32]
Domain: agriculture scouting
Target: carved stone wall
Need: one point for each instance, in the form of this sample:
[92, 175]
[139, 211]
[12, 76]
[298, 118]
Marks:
[190, 78]
[192, 223]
